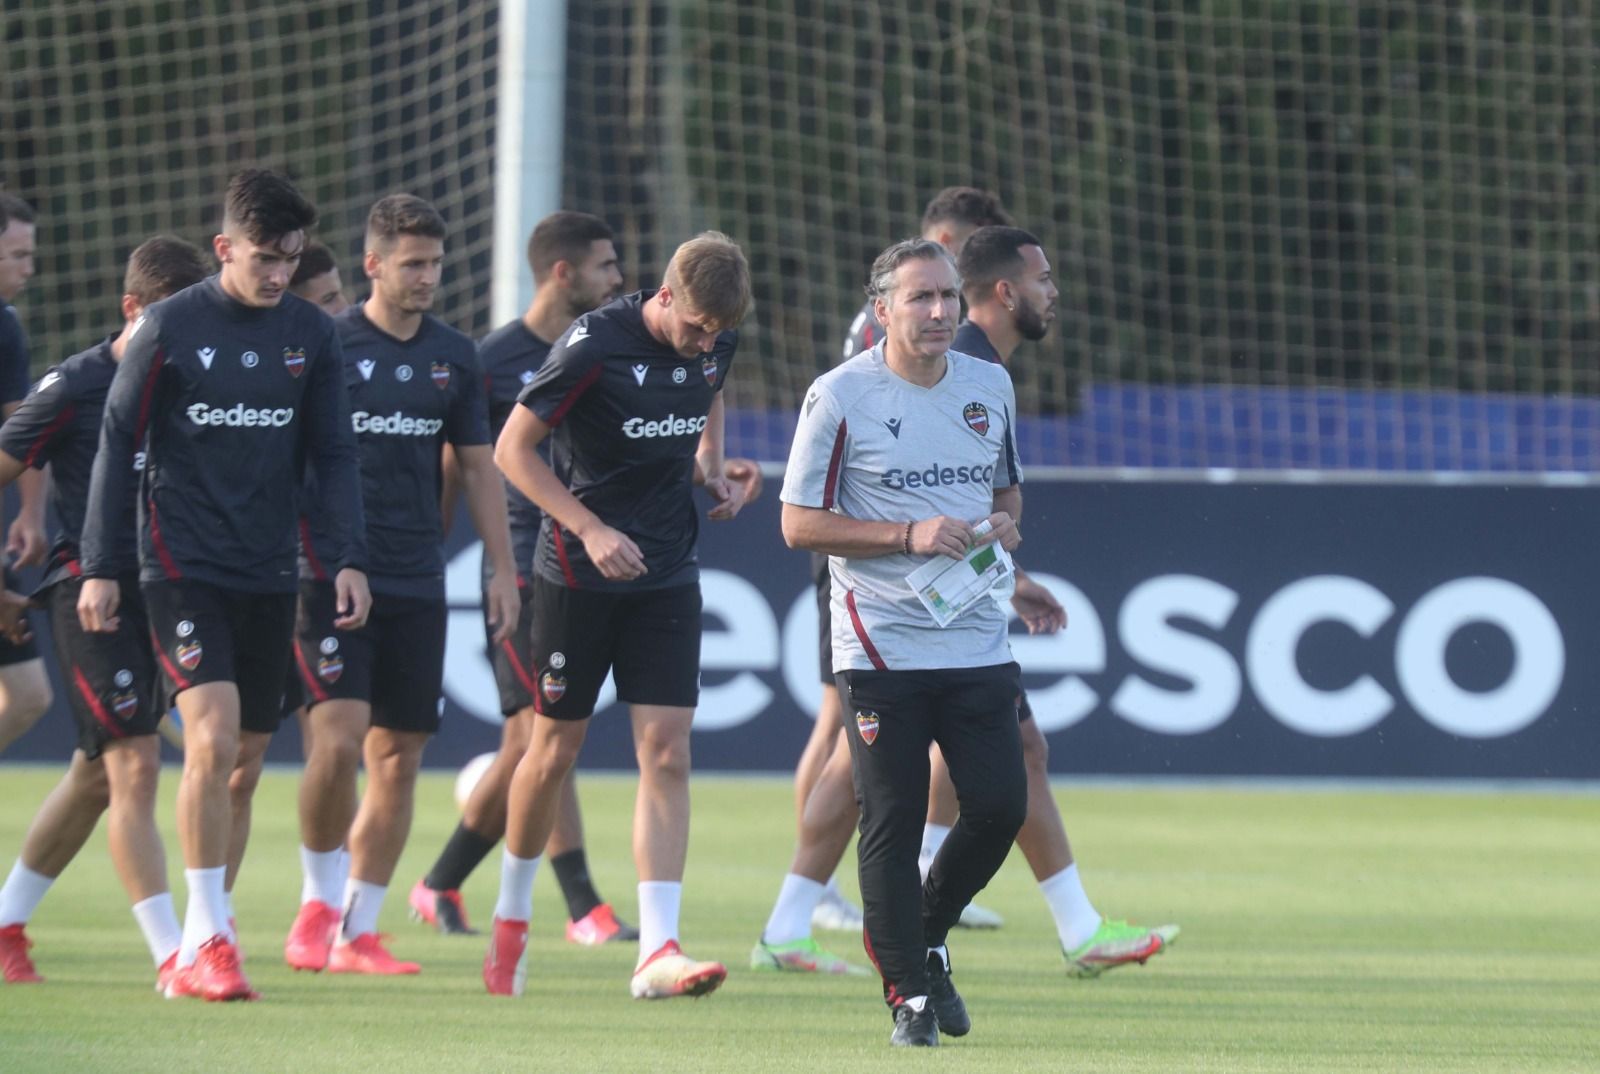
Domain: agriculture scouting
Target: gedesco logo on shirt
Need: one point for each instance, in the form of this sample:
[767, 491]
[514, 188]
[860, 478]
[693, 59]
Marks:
[671, 425]
[240, 416]
[936, 476]
[396, 424]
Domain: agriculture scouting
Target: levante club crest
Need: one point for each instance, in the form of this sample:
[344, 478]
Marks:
[294, 360]
[977, 416]
[708, 366]
[441, 375]
[867, 724]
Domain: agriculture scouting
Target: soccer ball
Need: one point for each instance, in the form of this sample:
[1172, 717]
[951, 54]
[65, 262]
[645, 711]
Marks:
[468, 777]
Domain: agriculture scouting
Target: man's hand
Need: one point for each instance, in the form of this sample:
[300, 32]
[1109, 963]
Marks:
[729, 496]
[25, 543]
[1037, 607]
[352, 600]
[613, 553]
[14, 617]
[1001, 528]
[503, 602]
[746, 473]
[97, 605]
[941, 536]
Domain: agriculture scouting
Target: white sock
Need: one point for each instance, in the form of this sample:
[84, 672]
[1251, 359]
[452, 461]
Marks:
[159, 923]
[791, 914]
[516, 887]
[659, 901]
[207, 913]
[227, 906]
[933, 837]
[1076, 917]
[832, 887]
[362, 901]
[324, 872]
[20, 896]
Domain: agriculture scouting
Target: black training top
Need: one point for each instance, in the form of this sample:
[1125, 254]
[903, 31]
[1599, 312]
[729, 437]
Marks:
[14, 358]
[59, 424]
[510, 355]
[865, 333]
[231, 404]
[627, 413]
[407, 399]
[970, 339]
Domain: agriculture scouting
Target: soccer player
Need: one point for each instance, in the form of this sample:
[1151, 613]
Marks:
[373, 694]
[633, 396]
[110, 678]
[24, 686]
[574, 261]
[316, 279]
[904, 404]
[232, 388]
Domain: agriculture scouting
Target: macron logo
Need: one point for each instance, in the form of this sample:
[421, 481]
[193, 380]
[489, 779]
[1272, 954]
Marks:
[893, 425]
[366, 365]
[206, 355]
[638, 373]
[580, 332]
[49, 379]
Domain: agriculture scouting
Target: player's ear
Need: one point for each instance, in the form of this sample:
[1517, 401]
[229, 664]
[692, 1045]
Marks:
[563, 272]
[222, 246]
[880, 309]
[664, 296]
[372, 264]
[1006, 293]
[131, 309]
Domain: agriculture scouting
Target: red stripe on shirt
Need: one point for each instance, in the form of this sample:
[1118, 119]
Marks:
[43, 440]
[310, 553]
[831, 486]
[584, 384]
[861, 632]
[317, 692]
[168, 565]
[561, 554]
[101, 716]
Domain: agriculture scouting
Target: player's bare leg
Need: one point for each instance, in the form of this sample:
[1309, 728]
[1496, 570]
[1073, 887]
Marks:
[327, 805]
[819, 748]
[377, 837]
[242, 784]
[133, 771]
[536, 788]
[485, 811]
[210, 713]
[24, 697]
[827, 824]
[660, 846]
[60, 827]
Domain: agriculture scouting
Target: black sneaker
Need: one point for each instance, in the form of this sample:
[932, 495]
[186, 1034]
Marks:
[915, 1025]
[944, 999]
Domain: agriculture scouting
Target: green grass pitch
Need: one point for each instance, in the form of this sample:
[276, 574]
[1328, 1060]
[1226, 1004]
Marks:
[1355, 930]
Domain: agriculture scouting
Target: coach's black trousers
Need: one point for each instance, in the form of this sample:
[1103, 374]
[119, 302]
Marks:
[892, 716]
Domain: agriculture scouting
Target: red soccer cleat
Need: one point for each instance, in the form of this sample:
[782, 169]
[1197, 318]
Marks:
[168, 970]
[669, 972]
[311, 936]
[14, 960]
[215, 977]
[505, 968]
[599, 926]
[441, 909]
[366, 954]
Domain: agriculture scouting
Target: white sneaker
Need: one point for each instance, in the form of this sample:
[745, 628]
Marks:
[979, 917]
[669, 972]
[835, 913]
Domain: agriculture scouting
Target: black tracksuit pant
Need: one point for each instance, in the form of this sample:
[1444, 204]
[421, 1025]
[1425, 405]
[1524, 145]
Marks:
[892, 717]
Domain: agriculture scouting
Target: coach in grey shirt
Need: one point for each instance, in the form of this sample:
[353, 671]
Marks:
[900, 455]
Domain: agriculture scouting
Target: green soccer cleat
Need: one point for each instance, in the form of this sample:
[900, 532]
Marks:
[1117, 943]
[802, 956]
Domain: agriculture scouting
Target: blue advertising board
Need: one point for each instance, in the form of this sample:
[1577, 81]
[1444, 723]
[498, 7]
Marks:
[1275, 629]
